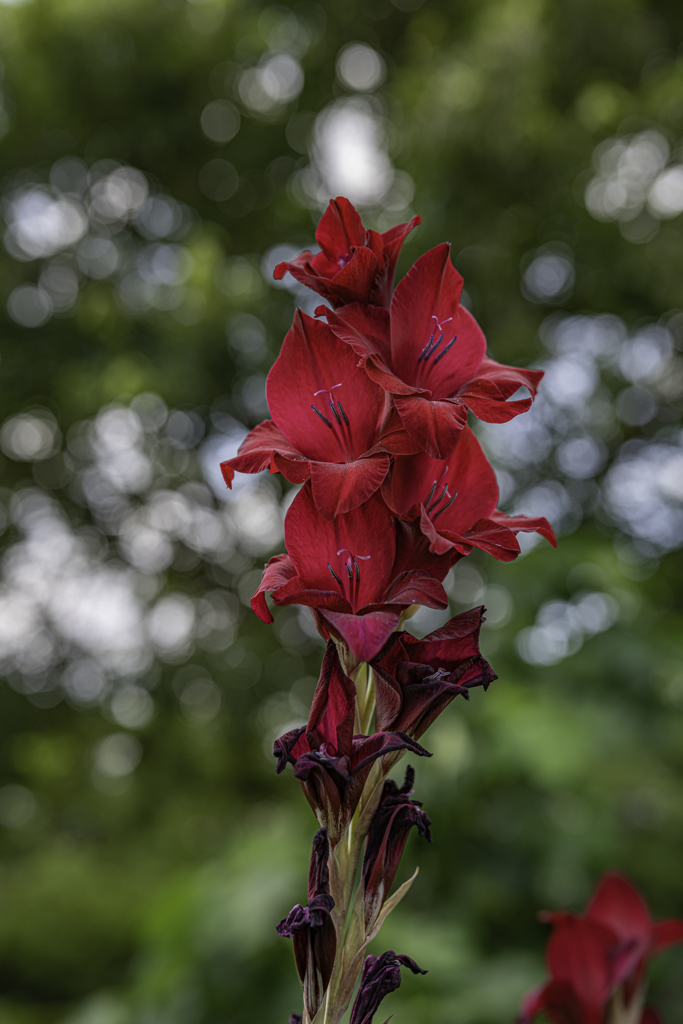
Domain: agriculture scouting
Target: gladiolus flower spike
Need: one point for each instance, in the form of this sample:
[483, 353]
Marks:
[368, 406]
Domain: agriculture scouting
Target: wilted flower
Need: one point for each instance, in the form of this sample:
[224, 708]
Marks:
[392, 821]
[312, 930]
[329, 761]
[416, 679]
[381, 975]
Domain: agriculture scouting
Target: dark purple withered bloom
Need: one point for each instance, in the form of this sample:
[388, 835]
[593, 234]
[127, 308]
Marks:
[381, 975]
[329, 761]
[312, 930]
[393, 820]
[295, 1018]
[416, 679]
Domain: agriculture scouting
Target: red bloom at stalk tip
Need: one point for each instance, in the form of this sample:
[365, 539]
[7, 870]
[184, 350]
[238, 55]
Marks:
[331, 763]
[455, 501]
[355, 265]
[329, 423]
[358, 572]
[429, 354]
[597, 960]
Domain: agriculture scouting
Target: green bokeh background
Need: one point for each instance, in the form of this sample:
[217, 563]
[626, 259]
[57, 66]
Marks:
[152, 895]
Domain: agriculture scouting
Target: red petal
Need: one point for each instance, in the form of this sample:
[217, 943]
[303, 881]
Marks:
[340, 228]
[295, 591]
[377, 371]
[466, 625]
[397, 234]
[436, 426]
[650, 1016]
[298, 263]
[417, 587]
[395, 439]
[312, 542]
[532, 1004]
[296, 471]
[393, 238]
[312, 358]
[525, 524]
[432, 288]
[315, 272]
[560, 1003]
[256, 453]
[373, 240]
[364, 328]
[342, 486]
[438, 545]
[495, 539]
[666, 933]
[354, 282]
[618, 905]
[466, 472]
[578, 953]
[412, 553]
[411, 480]
[275, 574]
[509, 378]
[333, 708]
[492, 409]
[392, 241]
[365, 634]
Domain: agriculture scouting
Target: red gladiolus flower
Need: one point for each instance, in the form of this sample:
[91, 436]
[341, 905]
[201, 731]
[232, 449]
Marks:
[329, 422]
[429, 353]
[455, 501]
[415, 680]
[357, 571]
[355, 265]
[331, 763]
[597, 961]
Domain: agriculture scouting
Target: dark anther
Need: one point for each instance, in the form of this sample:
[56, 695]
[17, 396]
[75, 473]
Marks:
[425, 349]
[334, 412]
[447, 348]
[323, 418]
[447, 505]
[334, 574]
[341, 410]
[431, 493]
[357, 568]
[433, 350]
[438, 500]
[348, 571]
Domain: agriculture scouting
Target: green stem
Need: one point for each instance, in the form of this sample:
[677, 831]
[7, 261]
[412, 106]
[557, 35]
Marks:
[348, 912]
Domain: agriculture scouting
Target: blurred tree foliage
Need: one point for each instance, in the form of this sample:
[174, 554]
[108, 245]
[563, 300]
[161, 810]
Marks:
[153, 155]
